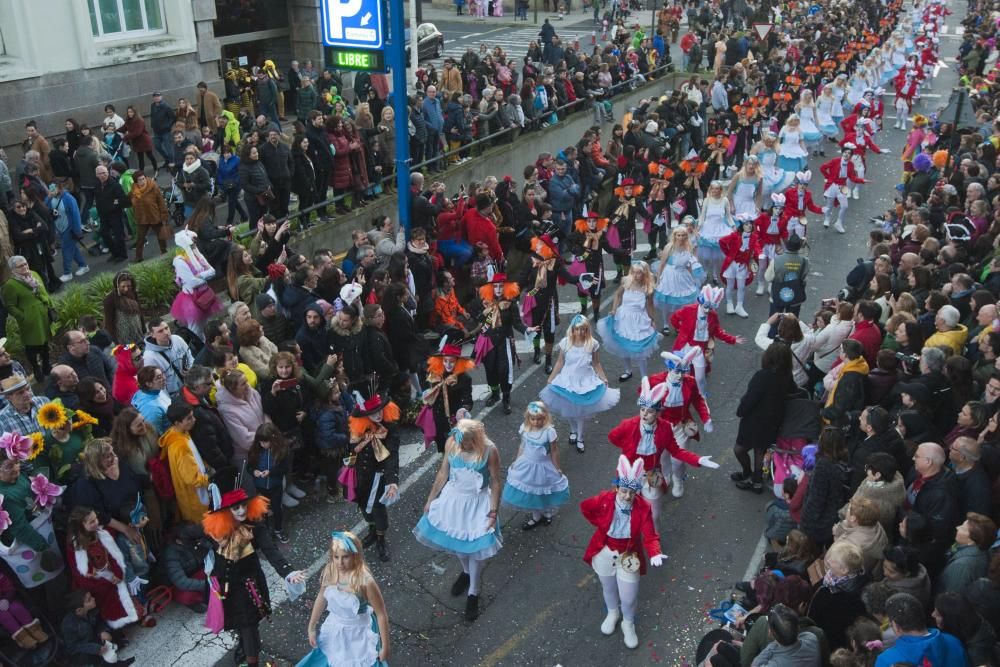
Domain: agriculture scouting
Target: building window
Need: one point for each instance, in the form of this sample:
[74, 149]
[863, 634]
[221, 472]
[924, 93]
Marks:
[120, 18]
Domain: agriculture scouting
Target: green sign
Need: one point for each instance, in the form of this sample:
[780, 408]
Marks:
[356, 59]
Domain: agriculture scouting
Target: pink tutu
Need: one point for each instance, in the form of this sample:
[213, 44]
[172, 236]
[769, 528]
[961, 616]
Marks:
[186, 311]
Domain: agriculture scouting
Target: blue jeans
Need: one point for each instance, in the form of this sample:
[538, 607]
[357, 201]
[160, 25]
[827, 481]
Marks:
[71, 252]
[458, 252]
[162, 144]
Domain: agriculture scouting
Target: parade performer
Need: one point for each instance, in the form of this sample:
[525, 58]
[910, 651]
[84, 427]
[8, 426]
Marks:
[356, 630]
[741, 248]
[858, 85]
[237, 526]
[775, 178]
[449, 388]
[839, 173]
[809, 122]
[589, 242]
[798, 200]
[697, 326]
[792, 153]
[535, 483]
[495, 348]
[460, 515]
[647, 436]
[840, 90]
[715, 221]
[861, 133]
[681, 397]
[577, 387]
[907, 87]
[196, 301]
[826, 115]
[718, 147]
[540, 305]
[680, 274]
[745, 188]
[621, 216]
[374, 458]
[691, 192]
[629, 331]
[661, 178]
[771, 230]
[914, 142]
[624, 533]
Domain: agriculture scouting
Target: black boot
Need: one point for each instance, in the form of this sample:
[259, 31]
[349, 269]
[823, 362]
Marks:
[370, 537]
[548, 363]
[506, 404]
[583, 307]
[383, 550]
[472, 607]
[537, 356]
[494, 396]
[461, 585]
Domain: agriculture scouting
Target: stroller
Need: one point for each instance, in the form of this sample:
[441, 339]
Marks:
[800, 427]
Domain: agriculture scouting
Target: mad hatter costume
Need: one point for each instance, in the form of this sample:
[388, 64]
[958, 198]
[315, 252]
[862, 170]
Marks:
[238, 529]
[588, 242]
[624, 533]
[495, 345]
[540, 305]
[450, 388]
[374, 458]
[622, 216]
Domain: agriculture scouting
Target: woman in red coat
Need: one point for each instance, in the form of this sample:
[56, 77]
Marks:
[137, 136]
[341, 179]
[617, 550]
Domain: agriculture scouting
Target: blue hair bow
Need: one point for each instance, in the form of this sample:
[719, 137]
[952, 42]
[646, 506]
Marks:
[577, 320]
[344, 539]
[536, 407]
[457, 435]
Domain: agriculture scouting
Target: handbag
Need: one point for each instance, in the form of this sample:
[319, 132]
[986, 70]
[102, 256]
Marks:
[215, 617]
[204, 297]
[614, 238]
[348, 477]
[264, 198]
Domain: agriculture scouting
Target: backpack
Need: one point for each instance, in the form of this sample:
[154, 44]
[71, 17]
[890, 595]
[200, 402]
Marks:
[194, 343]
[163, 482]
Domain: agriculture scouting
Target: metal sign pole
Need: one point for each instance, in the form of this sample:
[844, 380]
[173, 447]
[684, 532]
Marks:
[396, 55]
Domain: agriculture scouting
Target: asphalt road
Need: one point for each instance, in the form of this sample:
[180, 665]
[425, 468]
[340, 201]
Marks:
[540, 604]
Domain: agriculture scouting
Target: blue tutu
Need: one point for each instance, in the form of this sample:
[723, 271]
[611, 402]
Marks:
[791, 164]
[592, 397]
[482, 547]
[829, 130]
[811, 137]
[624, 346]
[532, 501]
[673, 300]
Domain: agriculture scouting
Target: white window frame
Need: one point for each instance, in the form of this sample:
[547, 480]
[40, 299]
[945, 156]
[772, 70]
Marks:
[124, 33]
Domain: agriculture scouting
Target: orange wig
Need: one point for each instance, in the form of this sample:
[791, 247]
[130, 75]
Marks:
[636, 190]
[510, 292]
[435, 366]
[581, 225]
[220, 524]
[361, 425]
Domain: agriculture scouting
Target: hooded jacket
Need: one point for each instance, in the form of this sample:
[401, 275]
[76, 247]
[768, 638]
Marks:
[188, 474]
[935, 647]
[209, 432]
[124, 386]
[174, 361]
[242, 418]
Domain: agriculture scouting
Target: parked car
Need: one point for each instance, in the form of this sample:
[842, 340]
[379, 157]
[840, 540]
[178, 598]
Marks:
[430, 42]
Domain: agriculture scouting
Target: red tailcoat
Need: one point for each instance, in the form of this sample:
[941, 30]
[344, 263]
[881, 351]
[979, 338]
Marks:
[626, 437]
[761, 224]
[906, 88]
[683, 321]
[831, 172]
[599, 510]
[693, 398]
[792, 209]
[731, 245]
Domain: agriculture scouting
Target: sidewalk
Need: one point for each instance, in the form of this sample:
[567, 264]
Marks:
[578, 16]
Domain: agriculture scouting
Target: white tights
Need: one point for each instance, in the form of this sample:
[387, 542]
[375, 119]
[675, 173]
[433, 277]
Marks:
[841, 210]
[739, 290]
[473, 568]
[666, 312]
[576, 425]
[641, 363]
[762, 269]
[537, 516]
[620, 593]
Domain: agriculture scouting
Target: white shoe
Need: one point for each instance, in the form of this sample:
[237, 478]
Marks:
[730, 309]
[740, 312]
[854, 194]
[66, 277]
[610, 621]
[628, 630]
[82, 270]
[288, 501]
[676, 485]
[826, 222]
[840, 228]
[760, 289]
[294, 491]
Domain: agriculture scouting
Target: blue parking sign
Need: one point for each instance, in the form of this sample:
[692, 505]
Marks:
[352, 23]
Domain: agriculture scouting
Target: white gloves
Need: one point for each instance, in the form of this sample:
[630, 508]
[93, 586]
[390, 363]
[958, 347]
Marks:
[657, 560]
[885, 151]
[707, 462]
[826, 209]
[135, 585]
[709, 426]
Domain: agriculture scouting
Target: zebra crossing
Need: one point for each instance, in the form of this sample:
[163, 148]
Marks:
[515, 42]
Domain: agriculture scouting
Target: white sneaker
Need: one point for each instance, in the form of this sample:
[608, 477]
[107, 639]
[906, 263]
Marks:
[760, 289]
[854, 194]
[288, 501]
[294, 491]
[826, 222]
[840, 228]
[730, 309]
[66, 277]
[82, 270]
[740, 312]
[676, 485]
[628, 630]
[610, 621]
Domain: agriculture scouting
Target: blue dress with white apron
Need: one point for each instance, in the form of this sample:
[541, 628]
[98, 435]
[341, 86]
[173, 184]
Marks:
[630, 333]
[776, 179]
[349, 636]
[744, 197]
[577, 390]
[533, 483]
[809, 125]
[681, 281]
[791, 155]
[826, 107]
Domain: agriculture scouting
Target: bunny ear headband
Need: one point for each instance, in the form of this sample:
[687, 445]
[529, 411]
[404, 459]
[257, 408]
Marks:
[674, 362]
[803, 176]
[710, 297]
[651, 397]
[630, 475]
[778, 199]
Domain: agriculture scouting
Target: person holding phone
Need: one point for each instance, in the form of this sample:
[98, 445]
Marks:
[285, 404]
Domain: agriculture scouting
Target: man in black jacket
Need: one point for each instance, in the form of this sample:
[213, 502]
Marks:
[879, 435]
[111, 202]
[209, 434]
[319, 153]
[85, 359]
[277, 161]
[974, 484]
[931, 491]
[161, 121]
